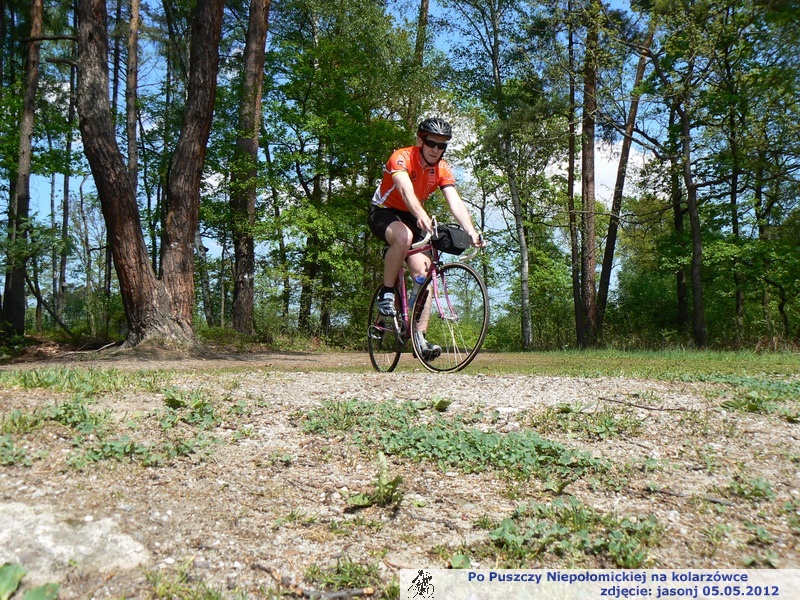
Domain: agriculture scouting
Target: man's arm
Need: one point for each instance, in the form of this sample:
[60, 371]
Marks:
[406, 189]
[460, 212]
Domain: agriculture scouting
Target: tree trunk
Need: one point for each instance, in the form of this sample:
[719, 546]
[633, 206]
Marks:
[588, 226]
[205, 283]
[575, 253]
[131, 92]
[698, 310]
[682, 290]
[88, 264]
[733, 142]
[676, 201]
[183, 187]
[283, 260]
[619, 186]
[414, 101]
[154, 309]
[60, 300]
[310, 270]
[245, 173]
[524, 257]
[19, 207]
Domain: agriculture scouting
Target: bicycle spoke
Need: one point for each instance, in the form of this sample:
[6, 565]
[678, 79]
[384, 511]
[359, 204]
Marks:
[454, 318]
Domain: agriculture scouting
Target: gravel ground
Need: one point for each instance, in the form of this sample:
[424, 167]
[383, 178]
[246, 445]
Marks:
[267, 504]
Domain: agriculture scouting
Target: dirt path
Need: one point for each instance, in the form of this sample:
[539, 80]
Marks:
[257, 502]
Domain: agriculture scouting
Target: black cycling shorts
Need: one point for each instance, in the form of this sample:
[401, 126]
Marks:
[380, 218]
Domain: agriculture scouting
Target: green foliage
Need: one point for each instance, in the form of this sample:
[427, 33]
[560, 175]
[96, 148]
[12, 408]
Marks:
[588, 422]
[405, 430]
[386, 492]
[568, 529]
[11, 576]
[346, 574]
[95, 436]
[87, 381]
[757, 489]
[10, 454]
[183, 585]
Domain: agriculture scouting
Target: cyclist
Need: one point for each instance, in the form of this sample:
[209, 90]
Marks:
[398, 217]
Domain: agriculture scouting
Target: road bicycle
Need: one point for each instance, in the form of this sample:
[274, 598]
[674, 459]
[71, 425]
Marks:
[451, 310]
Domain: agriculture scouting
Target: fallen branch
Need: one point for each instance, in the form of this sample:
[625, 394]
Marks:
[685, 495]
[633, 404]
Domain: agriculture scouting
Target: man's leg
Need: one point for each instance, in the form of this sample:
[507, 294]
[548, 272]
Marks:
[399, 238]
[419, 264]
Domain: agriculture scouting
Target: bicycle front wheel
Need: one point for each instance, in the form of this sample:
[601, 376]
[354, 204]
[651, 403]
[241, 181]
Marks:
[384, 337]
[450, 318]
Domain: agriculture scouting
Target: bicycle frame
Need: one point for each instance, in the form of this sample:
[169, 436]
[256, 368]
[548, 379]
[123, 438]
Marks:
[434, 300]
[400, 284]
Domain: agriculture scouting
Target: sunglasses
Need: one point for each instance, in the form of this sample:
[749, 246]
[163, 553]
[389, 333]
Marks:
[432, 144]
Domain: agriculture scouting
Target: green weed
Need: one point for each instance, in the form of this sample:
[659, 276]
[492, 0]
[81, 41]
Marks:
[792, 510]
[76, 415]
[751, 402]
[716, 535]
[87, 381]
[399, 430]
[11, 576]
[346, 574]
[181, 586]
[757, 489]
[18, 421]
[760, 535]
[11, 455]
[568, 529]
[386, 492]
[191, 407]
[587, 422]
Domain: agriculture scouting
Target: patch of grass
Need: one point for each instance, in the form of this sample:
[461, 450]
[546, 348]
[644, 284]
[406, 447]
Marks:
[18, 421]
[180, 585]
[400, 430]
[76, 414]
[589, 422]
[192, 408]
[672, 365]
[87, 381]
[716, 535]
[572, 531]
[345, 526]
[11, 455]
[757, 489]
[792, 510]
[94, 435]
[346, 574]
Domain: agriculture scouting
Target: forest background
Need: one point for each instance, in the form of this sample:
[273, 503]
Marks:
[178, 168]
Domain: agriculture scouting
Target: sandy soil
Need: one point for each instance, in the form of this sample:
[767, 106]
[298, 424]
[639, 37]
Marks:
[262, 504]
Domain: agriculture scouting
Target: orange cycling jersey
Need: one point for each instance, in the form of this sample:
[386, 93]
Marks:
[425, 178]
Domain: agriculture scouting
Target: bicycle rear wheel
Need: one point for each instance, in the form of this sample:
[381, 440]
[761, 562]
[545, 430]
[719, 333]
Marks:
[451, 311]
[384, 336]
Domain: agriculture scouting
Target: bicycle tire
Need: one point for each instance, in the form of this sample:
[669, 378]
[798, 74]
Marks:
[456, 318]
[384, 339]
